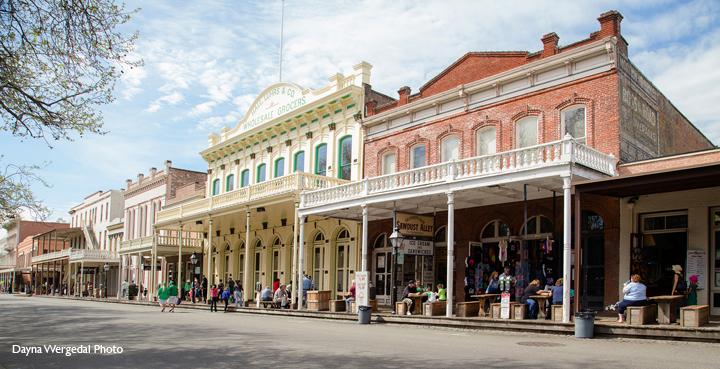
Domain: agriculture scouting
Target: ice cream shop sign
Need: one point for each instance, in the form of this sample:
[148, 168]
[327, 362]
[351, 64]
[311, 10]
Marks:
[276, 101]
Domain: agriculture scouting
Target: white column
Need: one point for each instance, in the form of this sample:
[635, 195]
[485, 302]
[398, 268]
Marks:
[301, 261]
[450, 252]
[247, 276]
[211, 274]
[82, 280]
[153, 266]
[567, 226]
[364, 247]
[178, 281]
[294, 259]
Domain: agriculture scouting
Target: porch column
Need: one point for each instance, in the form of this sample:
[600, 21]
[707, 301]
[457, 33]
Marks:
[82, 278]
[450, 252]
[247, 280]
[211, 274]
[178, 281]
[364, 247]
[120, 276]
[294, 274]
[301, 261]
[153, 266]
[566, 248]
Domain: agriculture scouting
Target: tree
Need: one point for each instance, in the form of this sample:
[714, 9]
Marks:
[59, 61]
[15, 194]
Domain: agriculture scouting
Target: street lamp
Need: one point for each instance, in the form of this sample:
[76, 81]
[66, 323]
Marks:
[396, 239]
[106, 267]
[193, 261]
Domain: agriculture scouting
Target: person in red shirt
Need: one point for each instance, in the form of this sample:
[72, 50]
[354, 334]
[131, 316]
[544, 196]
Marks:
[276, 284]
[214, 298]
[350, 298]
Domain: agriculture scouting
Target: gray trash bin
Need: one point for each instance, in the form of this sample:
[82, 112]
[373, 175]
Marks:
[584, 324]
[364, 314]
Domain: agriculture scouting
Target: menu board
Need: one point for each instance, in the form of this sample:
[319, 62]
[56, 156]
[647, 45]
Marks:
[696, 265]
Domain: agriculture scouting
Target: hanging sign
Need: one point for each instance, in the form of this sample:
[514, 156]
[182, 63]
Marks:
[276, 101]
[362, 289]
[415, 225]
[417, 247]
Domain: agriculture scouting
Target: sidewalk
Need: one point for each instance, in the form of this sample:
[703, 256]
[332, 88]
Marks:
[604, 327]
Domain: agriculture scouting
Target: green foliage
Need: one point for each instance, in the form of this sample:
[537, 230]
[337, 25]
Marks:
[59, 61]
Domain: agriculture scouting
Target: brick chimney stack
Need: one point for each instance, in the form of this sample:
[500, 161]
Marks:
[610, 23]
[140, 178]
[550, 44]
[153, 171]
[404, 93]
[168, 165]
[128, 182]
[370, 107]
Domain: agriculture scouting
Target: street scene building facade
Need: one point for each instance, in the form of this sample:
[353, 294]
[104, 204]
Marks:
[490, 150]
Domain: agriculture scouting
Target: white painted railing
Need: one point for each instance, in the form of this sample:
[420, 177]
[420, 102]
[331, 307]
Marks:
[295, 182]
[137, 244]
[566, 151]
[175, 241]
[51, 256]
[93, 254]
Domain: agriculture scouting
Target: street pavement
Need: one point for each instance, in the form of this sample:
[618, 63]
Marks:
[200, 339]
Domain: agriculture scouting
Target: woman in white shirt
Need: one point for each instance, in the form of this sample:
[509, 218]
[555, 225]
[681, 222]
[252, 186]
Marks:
[635, 294]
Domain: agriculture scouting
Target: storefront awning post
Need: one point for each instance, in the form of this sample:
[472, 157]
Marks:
[567, 226]
[450, 252]
[301, 262]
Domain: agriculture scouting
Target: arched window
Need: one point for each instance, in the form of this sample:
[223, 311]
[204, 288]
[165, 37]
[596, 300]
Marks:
[526, 132]
[229, 183]
[261, 172]
[279, 167]
[276, 262]
[342, 259]
[258, 259]
[450, 148]
[245, 178]
[345, 158]
[485, 141]
[241, 264]
[494, 230]
[573, 121]
[388, 163]
[318, 260]
[441, 234]
[380, 241]
[299, 162]
[216, 186]
[321, 159]
[537, 225]
[418, 156]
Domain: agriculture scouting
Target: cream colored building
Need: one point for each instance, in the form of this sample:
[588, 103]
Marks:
[290, 140]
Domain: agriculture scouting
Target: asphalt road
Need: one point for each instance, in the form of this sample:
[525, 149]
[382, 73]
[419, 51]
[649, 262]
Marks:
[200, 339]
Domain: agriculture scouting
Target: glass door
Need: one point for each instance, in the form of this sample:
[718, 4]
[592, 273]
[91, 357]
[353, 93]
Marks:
[381, 269]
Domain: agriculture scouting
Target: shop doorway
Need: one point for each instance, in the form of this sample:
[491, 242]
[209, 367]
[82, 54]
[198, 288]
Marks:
[714, 279]
[440, 257]
[663, 244]
[592, 281]
[319, 272]
[382, 256]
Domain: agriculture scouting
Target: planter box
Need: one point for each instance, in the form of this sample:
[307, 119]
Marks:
[694, 316]
[467, 309]
[434, 308]
[318, 300]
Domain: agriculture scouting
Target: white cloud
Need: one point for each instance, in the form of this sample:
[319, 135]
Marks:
[170, 99]
[203, 108]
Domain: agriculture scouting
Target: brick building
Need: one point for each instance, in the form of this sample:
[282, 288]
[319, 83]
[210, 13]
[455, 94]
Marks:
[495, 143]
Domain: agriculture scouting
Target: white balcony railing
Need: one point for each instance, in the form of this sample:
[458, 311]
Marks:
[93, 254]
[51, 256]
[138, 244]
[175, 241]
[566, 151]
[295, 182]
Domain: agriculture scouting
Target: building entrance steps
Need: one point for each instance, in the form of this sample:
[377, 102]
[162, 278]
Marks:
[605, 324]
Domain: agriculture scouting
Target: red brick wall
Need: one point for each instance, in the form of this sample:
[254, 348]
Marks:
[179, 177]
[597, 93]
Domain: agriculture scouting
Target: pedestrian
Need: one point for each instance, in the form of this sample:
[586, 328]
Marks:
[276, 284]
[692, 290]
[213, 298]
[231, 284]
[226, 298]
[280, 297]
[238, 296]
[186, 291]
[204, 287]
[307, 285]
[172, 296]
[162, 296]
[351, 297]
[407, 296]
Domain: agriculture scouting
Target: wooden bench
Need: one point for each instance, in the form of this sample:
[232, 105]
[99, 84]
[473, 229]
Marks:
[517, 311]
[639, 315]
[400, 308]
[694, 316]
[434, 308]
[337, 305]
[467, 309]
[318, 300]
[266, 304]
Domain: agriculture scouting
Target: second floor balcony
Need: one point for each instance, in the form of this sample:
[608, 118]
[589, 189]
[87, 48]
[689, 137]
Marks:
[191, 241]
[93, 255]
[289, 187]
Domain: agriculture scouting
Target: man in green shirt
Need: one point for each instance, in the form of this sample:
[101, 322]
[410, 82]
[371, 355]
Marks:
[172, 296]
[162, 296]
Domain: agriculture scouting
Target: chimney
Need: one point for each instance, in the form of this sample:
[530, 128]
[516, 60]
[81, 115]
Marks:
[128, 182]
[153, 171]
[404, 93]
[610, 23]
[550, 44]
[140, 178]
[168, 165]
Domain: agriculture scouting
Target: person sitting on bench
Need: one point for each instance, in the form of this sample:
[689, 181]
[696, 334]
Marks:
[266, 294]
[281, 297]
[635, 294]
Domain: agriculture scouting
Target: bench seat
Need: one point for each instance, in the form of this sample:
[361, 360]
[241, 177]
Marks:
[694, 316]
[467, 309]
[337, 305]
[434, 308]
[640, 315]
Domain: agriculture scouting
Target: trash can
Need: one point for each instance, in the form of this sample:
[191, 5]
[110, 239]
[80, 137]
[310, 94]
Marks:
[364, 314]
[584, 324]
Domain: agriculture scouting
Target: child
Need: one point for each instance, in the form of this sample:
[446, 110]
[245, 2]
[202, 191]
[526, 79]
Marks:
[692, 290]
[442, 293]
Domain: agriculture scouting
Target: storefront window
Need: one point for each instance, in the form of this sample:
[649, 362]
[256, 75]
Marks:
[342, 256]
[276, 259]
[663, 244]
[319, 260]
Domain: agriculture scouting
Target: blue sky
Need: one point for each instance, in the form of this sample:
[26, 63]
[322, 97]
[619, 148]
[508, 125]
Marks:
[206, 60]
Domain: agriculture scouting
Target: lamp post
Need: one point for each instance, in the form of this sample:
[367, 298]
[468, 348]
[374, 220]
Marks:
[396, 239]
[106, 268]
[193, 261]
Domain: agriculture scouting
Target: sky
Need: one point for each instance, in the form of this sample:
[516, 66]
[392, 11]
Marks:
[205, 61]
